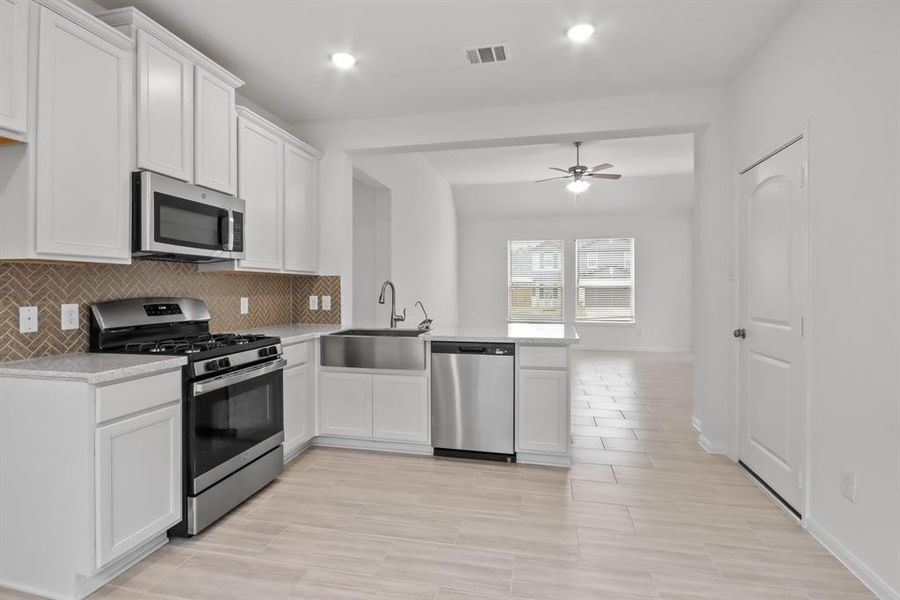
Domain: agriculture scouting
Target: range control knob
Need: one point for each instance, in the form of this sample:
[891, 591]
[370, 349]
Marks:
[212, 365]
[224, 363]
[263, 352]
[273, 350]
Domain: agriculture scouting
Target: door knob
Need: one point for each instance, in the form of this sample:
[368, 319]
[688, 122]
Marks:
[740, 333]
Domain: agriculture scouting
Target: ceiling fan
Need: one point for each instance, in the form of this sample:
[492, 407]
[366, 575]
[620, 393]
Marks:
[578, 172]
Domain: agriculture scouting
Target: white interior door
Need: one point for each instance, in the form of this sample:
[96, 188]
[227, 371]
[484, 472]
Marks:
[772, 300]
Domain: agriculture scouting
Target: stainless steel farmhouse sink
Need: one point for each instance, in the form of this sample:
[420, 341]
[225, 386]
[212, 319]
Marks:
[374, 349]
[381, 332]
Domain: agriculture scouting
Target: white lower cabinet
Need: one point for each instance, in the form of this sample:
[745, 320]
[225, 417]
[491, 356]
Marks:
[104, 490]
[138, 480]
[400, 408]
[345, 404]
[299, 401]
[391, 408]
[543, 411]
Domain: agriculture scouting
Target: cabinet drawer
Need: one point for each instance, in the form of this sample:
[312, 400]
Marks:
[546, 357]
[295, 354]
[120, 399]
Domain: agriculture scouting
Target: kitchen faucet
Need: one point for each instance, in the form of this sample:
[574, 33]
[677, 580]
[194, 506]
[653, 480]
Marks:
[395, 318]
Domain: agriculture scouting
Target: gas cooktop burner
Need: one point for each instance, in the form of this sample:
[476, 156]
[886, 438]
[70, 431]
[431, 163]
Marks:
[195, 344]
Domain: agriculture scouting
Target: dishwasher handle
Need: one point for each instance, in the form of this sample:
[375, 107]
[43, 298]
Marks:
[474, 348]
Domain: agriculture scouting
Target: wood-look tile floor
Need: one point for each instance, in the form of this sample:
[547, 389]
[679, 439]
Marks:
[644, 513]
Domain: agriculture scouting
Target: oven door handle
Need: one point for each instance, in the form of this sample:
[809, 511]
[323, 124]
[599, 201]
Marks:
[217, 383]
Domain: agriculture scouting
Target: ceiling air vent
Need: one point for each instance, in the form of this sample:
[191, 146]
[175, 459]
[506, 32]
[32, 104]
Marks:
[488, 54]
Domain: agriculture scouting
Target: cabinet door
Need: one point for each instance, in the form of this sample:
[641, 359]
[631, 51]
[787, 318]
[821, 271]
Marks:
[296, 413]
[260, 164]
[215, 121]
[345, 404]
[400, 408]
[83, 191]
[300, 210]
[138, 480]
[543, 411]
[165, 109]
[13, 65]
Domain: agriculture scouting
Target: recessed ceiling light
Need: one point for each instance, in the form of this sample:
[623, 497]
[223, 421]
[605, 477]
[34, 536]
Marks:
[581, 32]
[344, 60]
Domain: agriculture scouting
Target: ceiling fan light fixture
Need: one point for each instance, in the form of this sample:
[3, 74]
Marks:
[580, 33]
[578, 186]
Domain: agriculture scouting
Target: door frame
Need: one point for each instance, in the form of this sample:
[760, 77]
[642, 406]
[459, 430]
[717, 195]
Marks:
[798, 136]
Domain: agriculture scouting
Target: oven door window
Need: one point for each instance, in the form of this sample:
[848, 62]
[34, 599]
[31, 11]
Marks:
[230, 427]
[185, 223]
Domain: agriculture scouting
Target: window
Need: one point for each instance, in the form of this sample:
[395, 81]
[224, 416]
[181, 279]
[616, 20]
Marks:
[535, 281]
[604, 280]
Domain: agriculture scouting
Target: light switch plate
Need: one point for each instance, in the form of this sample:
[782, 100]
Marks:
[245, 306]
[326, 302]
[68, 317]
[313, 303]
[28, 319]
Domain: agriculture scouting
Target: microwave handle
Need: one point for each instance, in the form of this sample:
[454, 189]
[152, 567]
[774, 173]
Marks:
[226, 223]
[230, 245]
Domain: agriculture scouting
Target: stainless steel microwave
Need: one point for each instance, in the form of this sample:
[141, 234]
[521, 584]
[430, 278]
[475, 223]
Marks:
[174, 220]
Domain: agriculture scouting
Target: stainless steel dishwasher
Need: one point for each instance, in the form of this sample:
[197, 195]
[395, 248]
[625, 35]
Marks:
[473, 400]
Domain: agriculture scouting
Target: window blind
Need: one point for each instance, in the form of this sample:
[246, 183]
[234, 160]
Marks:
[604, 280]
[535, 281]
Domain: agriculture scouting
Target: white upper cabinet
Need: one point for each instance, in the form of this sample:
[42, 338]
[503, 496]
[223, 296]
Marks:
[278, 179]
[215, 133]
[165, 108]
[82, 145]
[260, 162]
[13, 68]
[185, 106]
[300, 214]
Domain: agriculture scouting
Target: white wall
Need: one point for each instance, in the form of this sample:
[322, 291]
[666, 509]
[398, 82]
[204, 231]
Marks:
[423, 235]
[837, 65]
[371, 253]
[662, 231]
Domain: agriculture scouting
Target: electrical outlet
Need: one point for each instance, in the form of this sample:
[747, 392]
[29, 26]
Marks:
[28, 319]
[326, 302]
[68, 317]
[848, 485]
[313, 303]
[245, 306]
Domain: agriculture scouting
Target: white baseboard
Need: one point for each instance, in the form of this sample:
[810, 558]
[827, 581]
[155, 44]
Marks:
[879, 586]
[295, 450]
[356, 444]
[710, 447]
[583, 348]
[696, 424]
[546, 460]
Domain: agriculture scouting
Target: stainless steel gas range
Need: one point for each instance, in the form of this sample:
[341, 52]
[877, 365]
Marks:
[232, 398]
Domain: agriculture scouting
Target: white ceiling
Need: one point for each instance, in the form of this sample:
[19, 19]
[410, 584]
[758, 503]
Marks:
[632, 157]
[411, 56]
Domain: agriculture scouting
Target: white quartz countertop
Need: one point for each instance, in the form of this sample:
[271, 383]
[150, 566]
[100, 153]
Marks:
[93, 368]
[296, 332]
[536, 334]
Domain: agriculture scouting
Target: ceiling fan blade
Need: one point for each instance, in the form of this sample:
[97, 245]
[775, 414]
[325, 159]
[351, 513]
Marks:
[552, 178]
[604, 175]
[602, 167]
[558, 169]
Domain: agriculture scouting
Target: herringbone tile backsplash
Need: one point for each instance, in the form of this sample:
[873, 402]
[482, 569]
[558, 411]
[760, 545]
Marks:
[274, 298]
